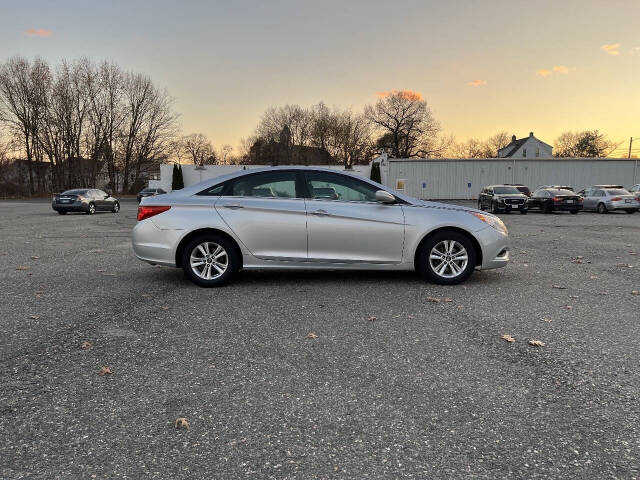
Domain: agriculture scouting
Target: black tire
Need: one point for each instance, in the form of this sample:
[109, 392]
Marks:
[232, 256]
[494, 207]
[116, 207]
[61, 212]
[92, 209]
[602, 208]
[631, 211]
[574, 212]
[480, 206]
[426, 269]
[547, 208]
[523, 212]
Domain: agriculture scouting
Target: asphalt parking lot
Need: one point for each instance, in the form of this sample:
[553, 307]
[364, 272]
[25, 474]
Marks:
[426, 390]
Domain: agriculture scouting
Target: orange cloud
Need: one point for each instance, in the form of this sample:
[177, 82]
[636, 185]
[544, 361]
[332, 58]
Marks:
[37, 32]
[406, 94]
[543, 72]
[477, 83]
[611, 48]
[561, 69]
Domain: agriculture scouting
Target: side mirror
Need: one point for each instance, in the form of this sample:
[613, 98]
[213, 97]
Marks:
[385, 197]
[107, 195]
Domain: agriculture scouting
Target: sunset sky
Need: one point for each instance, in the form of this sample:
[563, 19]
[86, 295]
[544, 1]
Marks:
[544, 66]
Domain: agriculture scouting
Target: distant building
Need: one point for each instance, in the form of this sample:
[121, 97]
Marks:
[527, 147]
[283, 152]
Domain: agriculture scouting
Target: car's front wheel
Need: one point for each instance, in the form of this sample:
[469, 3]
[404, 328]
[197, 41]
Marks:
[446, 258]
[62, 212]
[92, 209]
[602, 208]
[116, 207]
[210, 260]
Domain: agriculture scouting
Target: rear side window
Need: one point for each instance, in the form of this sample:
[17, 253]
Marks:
[617, 191]
[214, 191]
[266, 184]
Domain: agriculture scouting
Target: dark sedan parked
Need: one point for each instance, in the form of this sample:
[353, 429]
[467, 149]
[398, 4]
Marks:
[88, 200]
[548, 200]
[502, 198]
[149, 192]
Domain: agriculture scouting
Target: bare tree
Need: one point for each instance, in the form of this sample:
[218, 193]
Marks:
[295, 118]
[406, 124]
[588, 144]
[198, 149]
[351, 136]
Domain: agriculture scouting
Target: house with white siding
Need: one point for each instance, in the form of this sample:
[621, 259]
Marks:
[527, 147]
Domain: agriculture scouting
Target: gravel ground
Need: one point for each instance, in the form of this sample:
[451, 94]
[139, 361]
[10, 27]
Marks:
[426, 390]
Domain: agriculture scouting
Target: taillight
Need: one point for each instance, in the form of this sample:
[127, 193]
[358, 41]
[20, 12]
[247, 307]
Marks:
[145, 211]
[556, 199]
[616, 199]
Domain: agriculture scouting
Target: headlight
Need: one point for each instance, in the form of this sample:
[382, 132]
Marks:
[492, 220]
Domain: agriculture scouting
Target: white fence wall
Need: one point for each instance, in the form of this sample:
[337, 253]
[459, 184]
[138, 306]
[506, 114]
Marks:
[463, 178]
[193, 175]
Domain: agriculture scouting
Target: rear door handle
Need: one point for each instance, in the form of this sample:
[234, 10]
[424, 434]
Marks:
[320, 213]
[233, 206]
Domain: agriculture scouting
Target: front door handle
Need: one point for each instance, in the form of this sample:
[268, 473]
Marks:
[233, 206]
[321, 213]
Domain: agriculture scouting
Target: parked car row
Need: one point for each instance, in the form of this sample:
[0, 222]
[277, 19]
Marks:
[549, 198]
[92, 200]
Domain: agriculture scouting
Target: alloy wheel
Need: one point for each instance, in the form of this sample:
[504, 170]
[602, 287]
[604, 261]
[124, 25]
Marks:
[209, 260]
[448, 258]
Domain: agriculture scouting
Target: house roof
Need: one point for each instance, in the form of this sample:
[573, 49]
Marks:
[514, 146]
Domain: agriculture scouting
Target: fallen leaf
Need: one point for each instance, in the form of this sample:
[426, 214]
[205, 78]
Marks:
[35, 317]
[105, 371]
[447, 300]
[525, 264]
[312, 335]
[182, 422]
[508, 338]
[578, 261]
[579, 257]
[547, 319]
[371, 318]
[101, 270]
[574, 296]
[635, 292]
[164, 307]
[146, 295]
[22, 268]
[569, 307]
[559, 287]
[34, 257]
[593, 277]
[86, 346]
[536, 343]
[433, 299]
[108, 274]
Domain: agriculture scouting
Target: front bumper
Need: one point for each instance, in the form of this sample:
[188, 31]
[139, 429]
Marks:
[495, 248]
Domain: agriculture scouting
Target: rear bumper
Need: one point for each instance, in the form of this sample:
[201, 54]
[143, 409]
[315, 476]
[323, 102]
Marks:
[153, 245]
[70, 207]
[567, 208]
[623, 206]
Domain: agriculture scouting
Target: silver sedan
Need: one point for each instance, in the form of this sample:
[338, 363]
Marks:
[312, 218]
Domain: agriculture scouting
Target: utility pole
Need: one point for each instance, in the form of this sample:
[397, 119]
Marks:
[630, 143]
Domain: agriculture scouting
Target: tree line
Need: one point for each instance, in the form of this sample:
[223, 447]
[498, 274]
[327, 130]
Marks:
[80, 118]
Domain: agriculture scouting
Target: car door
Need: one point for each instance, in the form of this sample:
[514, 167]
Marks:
[101, 200]
[354, 227]
[267, 213]
[589, 199]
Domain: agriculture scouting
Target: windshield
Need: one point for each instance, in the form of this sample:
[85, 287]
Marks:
[617, 191]
[505, 190]
[561, 192]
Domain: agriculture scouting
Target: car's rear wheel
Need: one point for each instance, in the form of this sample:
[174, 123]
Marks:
[92, 209]
[632, 211]
[523, 212]
[547, 208]
[210, 260]
[446, 258]
[602, 208]
[116, 207]
[574, 212]
[62, 212]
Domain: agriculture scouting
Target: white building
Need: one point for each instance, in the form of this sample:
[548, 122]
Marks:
[527, 147]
